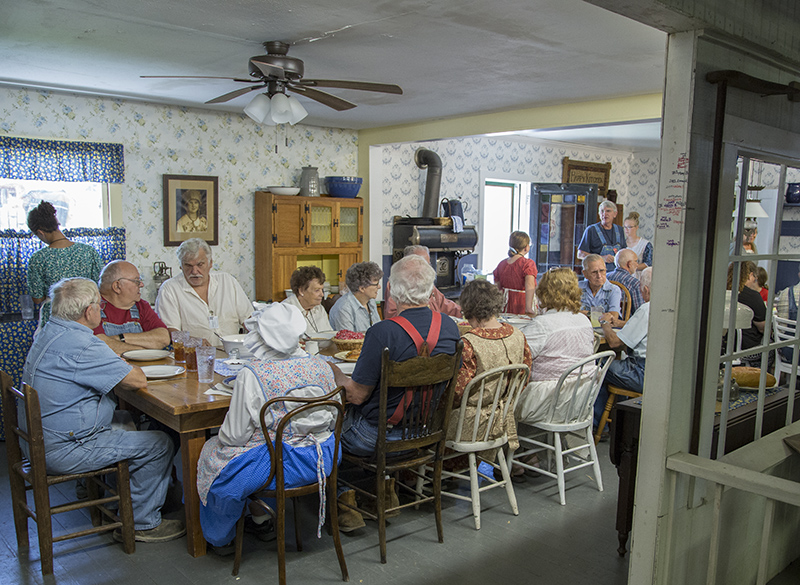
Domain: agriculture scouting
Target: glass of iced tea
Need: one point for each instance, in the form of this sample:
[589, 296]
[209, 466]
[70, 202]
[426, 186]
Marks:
[190, 348]
[178, 340]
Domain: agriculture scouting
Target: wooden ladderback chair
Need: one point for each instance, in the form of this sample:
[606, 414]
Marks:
[605, 418]
[281, 493]
[495, 392]
[627, 303]
[28, 472]
[429, 384]
[570, 415]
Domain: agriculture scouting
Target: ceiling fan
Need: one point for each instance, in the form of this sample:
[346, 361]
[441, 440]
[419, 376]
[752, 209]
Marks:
[278, 73]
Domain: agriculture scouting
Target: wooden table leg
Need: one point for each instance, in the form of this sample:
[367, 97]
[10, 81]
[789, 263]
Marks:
[191, 445]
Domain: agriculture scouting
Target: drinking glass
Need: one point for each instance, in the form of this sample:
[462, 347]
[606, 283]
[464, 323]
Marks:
[206, 355]
[596, 313]
[178, 340]
[190, 347]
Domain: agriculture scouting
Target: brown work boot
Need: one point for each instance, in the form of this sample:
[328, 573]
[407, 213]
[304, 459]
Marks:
[391, 499]
[349, 519]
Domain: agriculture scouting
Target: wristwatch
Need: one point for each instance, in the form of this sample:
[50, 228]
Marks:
[602, 322]
[122, 337]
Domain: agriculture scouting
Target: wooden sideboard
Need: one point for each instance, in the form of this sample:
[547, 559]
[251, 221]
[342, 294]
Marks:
[292, 230]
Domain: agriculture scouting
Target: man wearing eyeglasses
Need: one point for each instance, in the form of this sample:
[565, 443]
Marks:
[127, 321]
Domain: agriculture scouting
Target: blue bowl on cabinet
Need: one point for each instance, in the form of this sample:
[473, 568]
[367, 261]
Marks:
[343, 186]
[793, 193]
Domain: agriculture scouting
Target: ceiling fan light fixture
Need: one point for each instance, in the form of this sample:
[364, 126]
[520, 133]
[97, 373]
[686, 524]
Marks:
[259, 108]
[298, 112]
[280, 110]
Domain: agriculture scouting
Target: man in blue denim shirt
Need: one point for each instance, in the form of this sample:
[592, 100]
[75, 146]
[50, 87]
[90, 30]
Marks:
[74, 373]
[596, 291]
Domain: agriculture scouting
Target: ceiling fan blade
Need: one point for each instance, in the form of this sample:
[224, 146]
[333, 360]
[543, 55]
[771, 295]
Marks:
[268, 69]
[360, 85]
[194, 77]
[234, 94]
[322, 97]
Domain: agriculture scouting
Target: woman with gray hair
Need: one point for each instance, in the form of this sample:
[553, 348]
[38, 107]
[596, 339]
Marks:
[356, 310]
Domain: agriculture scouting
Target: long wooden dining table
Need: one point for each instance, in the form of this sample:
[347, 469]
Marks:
[181, 404]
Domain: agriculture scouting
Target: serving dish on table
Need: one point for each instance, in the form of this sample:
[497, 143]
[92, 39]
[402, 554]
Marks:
[342, 355]
[322, 335]
[228, 382]
[162, 372]
[145, 355]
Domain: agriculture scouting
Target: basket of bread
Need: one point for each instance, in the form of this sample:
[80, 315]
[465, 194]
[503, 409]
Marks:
[347, 340]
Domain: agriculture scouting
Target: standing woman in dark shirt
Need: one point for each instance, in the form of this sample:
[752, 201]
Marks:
[62, 258]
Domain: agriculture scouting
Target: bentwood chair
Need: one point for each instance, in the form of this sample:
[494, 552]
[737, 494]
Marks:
[570, 415]
[627, 303]
[490, 399]
[275, 486]
[429, 384]
[29, 473]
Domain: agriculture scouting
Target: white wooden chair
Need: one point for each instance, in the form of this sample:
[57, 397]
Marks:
[580, 385]
[782, 330]
[496, 392]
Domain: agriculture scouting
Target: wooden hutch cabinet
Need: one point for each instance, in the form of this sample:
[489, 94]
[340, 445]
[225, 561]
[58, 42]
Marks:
[292, 231]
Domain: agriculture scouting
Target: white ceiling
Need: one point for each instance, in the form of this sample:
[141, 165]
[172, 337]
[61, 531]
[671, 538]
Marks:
[451, 59]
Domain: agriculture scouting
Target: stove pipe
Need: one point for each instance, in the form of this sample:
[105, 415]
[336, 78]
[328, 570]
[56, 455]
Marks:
[427, 158]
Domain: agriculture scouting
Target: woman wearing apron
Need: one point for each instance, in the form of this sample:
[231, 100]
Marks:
[516, 276]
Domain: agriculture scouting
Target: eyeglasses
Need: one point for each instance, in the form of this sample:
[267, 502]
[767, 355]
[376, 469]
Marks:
[375, 283]
[139, 281]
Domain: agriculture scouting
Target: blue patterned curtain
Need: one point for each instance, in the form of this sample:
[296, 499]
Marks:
[16, 249]
[51, 160]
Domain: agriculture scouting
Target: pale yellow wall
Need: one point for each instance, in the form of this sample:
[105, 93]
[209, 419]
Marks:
[624, 109]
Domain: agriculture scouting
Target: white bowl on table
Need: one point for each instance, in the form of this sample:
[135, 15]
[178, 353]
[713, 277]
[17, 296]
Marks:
[230, 342]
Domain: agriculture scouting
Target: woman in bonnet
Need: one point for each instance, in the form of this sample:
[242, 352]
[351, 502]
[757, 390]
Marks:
[236, 462]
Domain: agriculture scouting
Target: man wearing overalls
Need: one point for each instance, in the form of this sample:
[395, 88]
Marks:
[604, 238]
[127, 321]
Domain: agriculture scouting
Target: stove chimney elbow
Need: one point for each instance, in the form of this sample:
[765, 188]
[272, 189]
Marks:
[428, 159]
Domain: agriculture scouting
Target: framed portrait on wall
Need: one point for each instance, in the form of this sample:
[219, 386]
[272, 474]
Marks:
[578, 171]
[191, 206]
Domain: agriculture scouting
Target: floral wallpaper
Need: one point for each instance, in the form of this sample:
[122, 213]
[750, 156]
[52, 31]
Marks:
[161, 139]
[634, 176]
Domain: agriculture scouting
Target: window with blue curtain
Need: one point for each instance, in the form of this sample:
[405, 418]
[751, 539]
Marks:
[48, 160]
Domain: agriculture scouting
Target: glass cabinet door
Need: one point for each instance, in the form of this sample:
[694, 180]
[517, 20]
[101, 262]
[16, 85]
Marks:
[348, 225]
[561, 215]
[320, 223]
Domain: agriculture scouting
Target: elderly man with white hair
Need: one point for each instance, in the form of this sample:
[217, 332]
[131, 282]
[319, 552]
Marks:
[411, 282]
[627, 263]
[236, 462]
[604, 238]
[75, 374]
[204, 303]
[127, 321]
[629, 372]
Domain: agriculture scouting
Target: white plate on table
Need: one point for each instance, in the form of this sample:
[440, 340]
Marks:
[145, 355]
[228, 382]
[347, 367]
[161, 372]
[517, 320]
[322, 335]
[755, 388]
[342, 355]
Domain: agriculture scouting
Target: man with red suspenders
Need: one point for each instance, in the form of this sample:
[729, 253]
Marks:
[406, 336]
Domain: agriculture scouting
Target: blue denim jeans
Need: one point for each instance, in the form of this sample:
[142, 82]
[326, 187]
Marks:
[359, 436]
[149, 455]
[627, 373]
